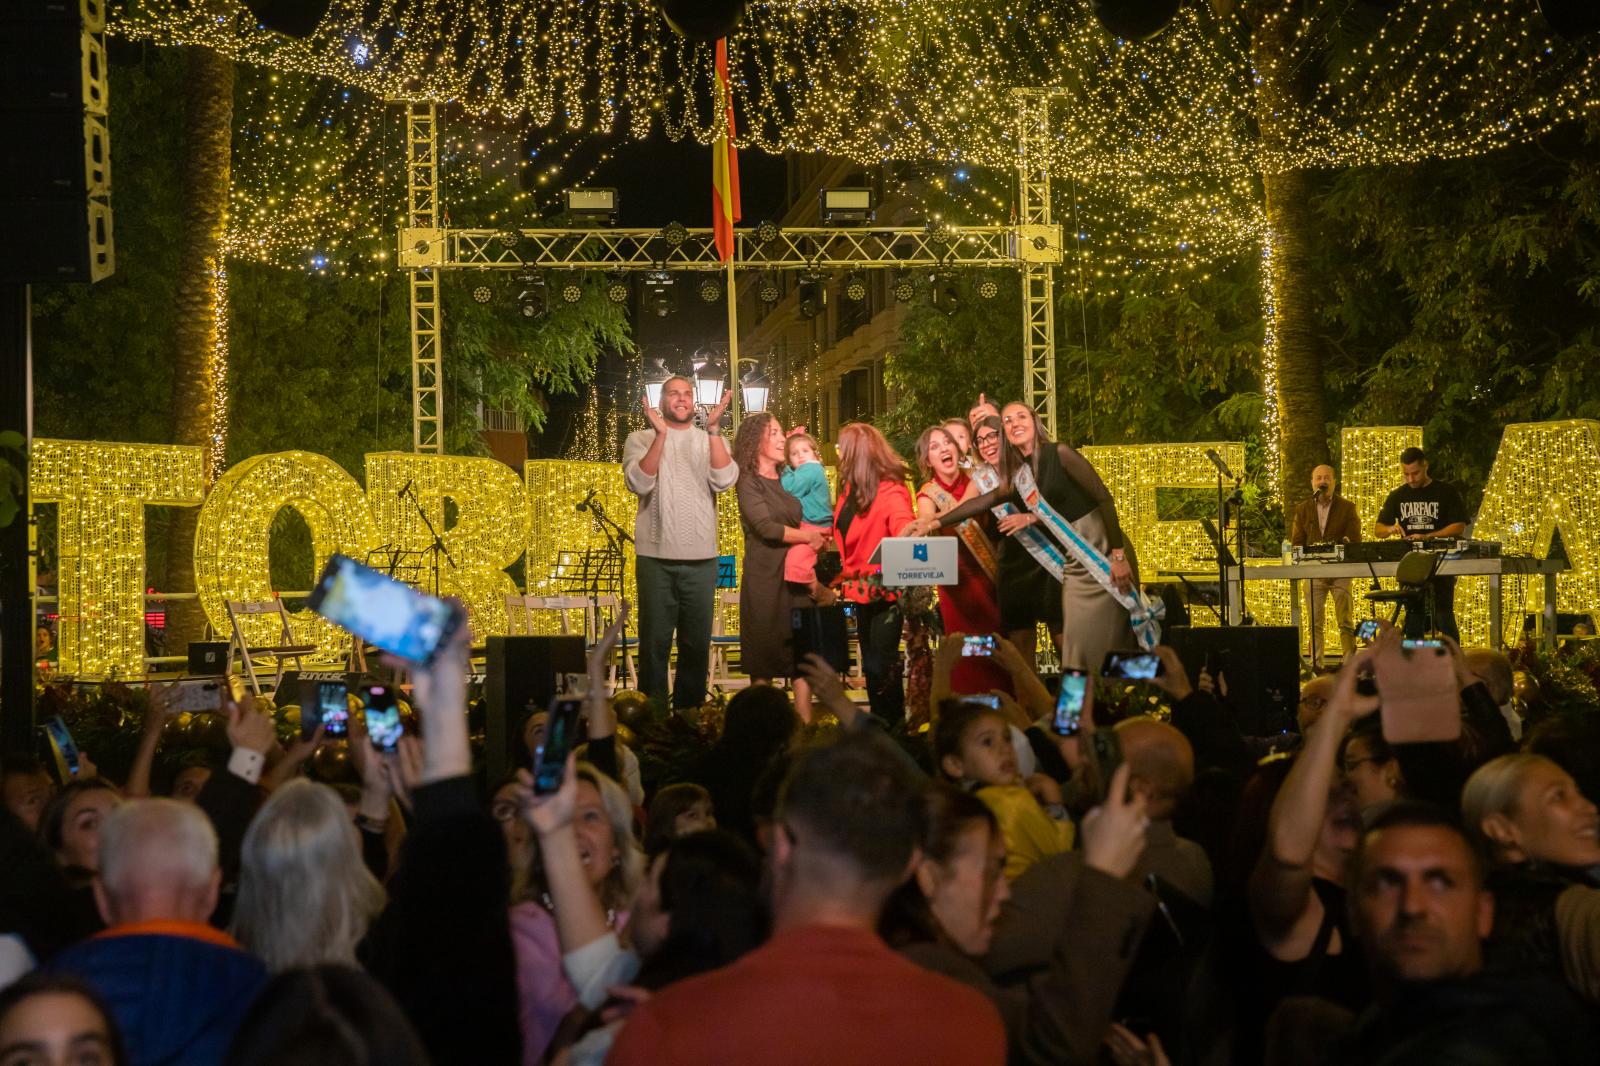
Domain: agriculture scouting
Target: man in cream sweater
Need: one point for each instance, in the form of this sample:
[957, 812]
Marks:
[676, 471]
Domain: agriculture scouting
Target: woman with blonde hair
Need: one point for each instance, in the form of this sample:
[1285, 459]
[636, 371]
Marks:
[306, 896]
[873, 503]
[614, 866]
[1542, 836]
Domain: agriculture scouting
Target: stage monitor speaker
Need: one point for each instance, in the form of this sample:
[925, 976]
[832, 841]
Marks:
[1262, 667]
[208, 658]
[56, 194]
[522, 675]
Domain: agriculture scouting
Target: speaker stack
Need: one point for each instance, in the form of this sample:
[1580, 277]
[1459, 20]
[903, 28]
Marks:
[55, 150]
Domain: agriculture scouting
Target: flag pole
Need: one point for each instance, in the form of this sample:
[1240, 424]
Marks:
[733, 339]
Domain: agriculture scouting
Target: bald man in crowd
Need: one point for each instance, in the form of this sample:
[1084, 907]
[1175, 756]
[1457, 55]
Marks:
[1327, 518]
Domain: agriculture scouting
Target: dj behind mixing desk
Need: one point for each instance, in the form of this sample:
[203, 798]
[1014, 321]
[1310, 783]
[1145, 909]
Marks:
[1380, 558]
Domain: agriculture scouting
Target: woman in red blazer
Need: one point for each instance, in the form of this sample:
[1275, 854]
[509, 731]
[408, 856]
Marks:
[873, 503]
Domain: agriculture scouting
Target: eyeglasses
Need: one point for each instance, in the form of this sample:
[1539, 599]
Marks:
[984, 438]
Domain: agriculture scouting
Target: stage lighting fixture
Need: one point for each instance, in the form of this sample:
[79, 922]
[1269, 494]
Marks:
[483, 294]
[847, 207]
[855, 288]
[508, 238]
[593, 205]
[946, 292]
[754, 391]
[769, 293]
[572, 288]
[533, 298]
[904, 290]
[766, 231]
[710, 290]
[988, 289]
[658, 295]
[674, 233]
[617, 288]
[813, 291]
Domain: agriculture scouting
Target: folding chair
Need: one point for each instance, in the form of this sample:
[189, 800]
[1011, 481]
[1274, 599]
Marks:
[247, 653]
[723, 642]
[1411, 574]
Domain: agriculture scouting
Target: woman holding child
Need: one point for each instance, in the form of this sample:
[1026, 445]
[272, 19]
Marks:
[773, 522]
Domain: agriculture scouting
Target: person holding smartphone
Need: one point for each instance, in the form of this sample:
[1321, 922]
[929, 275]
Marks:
[677, 471]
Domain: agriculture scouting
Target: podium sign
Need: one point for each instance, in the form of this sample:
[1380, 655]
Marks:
[917, 560]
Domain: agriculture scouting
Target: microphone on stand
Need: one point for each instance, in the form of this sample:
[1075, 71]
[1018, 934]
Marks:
[584, 506]
[406, 487]
[1216, 461]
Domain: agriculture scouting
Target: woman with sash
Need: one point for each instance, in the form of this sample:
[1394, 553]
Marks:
[970, 606]
[1065, 486]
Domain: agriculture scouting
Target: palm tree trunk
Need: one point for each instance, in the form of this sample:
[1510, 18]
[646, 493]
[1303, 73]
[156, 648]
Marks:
[1303, 433]
[1292, 356]
[197, 351]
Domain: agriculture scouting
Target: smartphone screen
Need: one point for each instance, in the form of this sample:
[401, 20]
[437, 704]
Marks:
[983, 699]
[63, 747]
[197, 696]
[1132, 665]
[983, 645]
[1415, 644]
[382, 715]
[1069, 705]
[324, 703]
[1367, 629]
[560, 736]
[385, 612]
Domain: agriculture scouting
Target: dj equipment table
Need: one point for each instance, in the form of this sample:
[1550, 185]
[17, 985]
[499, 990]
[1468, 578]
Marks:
[1494, 569]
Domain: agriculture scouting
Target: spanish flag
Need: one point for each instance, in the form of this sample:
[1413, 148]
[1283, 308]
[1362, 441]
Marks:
[724, 165]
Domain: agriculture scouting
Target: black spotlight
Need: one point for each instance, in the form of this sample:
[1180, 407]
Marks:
[533, 298]
[988, 289]
[769, 293]
[483, 294]
[710, 290]
[508, 238]
[617, 289]
[674, 233]
[766, 231]
[813, 292]
[855, 288]
[946, 292]
[702, 20]
[572, 289]
[292, 18]
[658, 295]
[904, 290]
[1134, 20]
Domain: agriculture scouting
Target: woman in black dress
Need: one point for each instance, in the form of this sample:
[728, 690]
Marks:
[771, 521]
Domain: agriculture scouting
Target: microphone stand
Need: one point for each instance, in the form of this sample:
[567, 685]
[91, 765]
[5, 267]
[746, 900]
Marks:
[437, 548]
[1237, 500]
[1224, 594]
[616, 537]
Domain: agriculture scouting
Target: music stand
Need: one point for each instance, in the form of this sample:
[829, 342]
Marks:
[600, 571]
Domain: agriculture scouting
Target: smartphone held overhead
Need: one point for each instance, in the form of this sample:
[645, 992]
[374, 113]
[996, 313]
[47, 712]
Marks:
[384, 612]
[1075, 689]
[1132, 665]
[979, 645]
[381, 712]
[560, 737]
[1416, 685]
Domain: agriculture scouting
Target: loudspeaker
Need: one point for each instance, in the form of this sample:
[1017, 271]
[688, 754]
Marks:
[208, 658]
[55, 187]
[521, 677]
[1262, 667]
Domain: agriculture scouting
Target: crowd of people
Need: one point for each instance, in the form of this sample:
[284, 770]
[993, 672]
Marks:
[1136, 889]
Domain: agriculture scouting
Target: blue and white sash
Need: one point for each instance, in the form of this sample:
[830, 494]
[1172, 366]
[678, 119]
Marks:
[1144, 612]
[1043, 550]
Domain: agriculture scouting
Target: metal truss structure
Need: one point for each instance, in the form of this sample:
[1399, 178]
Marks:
[1032, 245]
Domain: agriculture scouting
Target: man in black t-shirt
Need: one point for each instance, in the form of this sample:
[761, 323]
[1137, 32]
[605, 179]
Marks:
[1422, 510]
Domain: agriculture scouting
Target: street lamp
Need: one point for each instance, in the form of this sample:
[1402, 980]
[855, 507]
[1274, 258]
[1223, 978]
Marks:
[709, 377]
[656, 376]
[754, 389]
